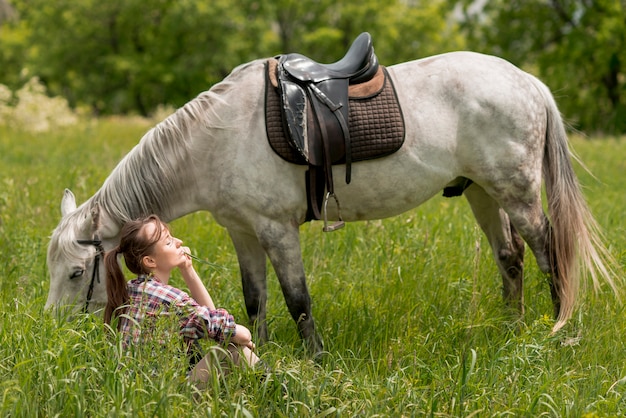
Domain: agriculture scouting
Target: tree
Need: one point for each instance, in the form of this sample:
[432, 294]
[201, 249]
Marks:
[120, 56]
[13, 35]
[7, 13]
[402, 30]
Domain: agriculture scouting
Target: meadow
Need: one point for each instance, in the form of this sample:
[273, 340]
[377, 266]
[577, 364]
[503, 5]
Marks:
[410, 309]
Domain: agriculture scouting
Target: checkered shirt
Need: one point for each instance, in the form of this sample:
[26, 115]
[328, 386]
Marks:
[151, 300]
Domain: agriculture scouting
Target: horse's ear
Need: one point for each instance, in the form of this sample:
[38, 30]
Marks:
[68, 203]
[95, 218]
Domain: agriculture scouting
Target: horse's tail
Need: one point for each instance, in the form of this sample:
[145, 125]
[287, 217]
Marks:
[575, 244]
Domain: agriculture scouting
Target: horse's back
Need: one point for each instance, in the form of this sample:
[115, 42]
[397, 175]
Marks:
[451, 63]
[459, 78]
[481, 108]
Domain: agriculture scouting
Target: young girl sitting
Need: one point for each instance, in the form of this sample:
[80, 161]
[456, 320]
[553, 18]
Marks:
[151, 253]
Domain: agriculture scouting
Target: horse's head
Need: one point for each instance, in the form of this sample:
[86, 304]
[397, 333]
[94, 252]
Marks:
[75, 256]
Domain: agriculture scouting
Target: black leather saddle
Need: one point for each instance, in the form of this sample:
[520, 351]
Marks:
[315, 107]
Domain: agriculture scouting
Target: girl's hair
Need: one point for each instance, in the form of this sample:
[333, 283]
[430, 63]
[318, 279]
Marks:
[134, 245]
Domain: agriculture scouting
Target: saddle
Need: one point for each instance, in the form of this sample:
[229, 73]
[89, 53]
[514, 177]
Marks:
[315, 113]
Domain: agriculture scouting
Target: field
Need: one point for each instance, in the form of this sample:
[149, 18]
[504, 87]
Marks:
[410, 309]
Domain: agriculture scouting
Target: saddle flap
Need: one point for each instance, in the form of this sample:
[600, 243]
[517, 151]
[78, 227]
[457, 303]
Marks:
[295, 111]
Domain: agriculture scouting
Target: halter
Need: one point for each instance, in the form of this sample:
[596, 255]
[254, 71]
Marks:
[95, 275]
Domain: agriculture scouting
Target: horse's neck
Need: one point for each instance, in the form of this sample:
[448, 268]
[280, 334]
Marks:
[161, 175]
[120, 209]
[139, 187]
[112, 218]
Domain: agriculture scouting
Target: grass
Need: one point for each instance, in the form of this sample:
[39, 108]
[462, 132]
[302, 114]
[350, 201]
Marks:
[409, 308]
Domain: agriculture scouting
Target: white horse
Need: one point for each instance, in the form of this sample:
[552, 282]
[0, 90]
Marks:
[467, 115]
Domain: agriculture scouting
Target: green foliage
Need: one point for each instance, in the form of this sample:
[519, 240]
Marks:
[13, 47]
[409, 307]
[401, 30]
[130, 56]
[133, 55]
[121, 56]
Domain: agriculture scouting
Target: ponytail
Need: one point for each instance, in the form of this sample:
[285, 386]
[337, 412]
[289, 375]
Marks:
[134, 245]
[117, 291]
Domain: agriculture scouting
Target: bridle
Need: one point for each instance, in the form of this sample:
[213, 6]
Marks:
[95, 275]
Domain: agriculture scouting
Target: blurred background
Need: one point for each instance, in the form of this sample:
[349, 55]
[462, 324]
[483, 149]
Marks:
[133, 57]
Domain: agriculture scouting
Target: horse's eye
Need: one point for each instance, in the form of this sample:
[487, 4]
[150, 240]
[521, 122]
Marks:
[77, 273]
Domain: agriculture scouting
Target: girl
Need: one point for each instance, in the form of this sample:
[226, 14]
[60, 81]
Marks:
[152, 253]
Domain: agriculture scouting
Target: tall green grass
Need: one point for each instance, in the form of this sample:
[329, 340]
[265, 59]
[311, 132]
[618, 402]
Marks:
[410, 310]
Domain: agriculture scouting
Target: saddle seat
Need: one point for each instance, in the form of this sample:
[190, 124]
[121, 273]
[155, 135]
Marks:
[358, 65]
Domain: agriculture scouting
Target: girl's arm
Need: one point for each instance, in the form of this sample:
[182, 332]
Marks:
[200, 294]
[197, 290]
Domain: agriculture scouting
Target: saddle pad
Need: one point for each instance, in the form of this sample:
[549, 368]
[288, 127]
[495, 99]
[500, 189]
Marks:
[376, 124]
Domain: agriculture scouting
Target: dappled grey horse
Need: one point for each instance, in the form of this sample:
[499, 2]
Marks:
[470, 120]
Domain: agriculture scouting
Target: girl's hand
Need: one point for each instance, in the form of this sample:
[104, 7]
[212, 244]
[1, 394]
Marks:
[243, 337]
[196, 288]
[187, 261]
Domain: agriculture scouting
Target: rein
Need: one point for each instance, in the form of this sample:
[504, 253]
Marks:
[95, 275]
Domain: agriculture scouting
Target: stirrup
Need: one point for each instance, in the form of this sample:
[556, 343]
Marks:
[337, 225]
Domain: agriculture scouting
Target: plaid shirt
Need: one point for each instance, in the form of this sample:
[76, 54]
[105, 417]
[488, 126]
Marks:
[151, 299]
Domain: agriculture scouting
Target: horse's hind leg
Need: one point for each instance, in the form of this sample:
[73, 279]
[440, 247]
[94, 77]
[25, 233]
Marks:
[534, 227]
[251, 257]
[506, 244]
[525, 212]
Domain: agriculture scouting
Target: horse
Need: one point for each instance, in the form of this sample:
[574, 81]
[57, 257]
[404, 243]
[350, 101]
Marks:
[467, 116]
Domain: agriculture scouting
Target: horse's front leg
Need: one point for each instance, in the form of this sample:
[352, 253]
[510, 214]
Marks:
[251, 257]
[282, 244]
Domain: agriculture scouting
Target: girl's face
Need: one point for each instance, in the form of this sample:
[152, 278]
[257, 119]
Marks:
[167, 253]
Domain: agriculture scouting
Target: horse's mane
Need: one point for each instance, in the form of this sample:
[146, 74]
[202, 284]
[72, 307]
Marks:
[147, 179]
[150, 177]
